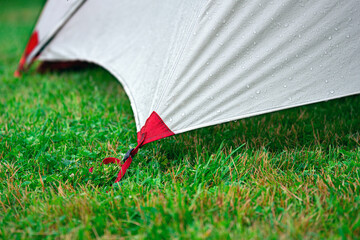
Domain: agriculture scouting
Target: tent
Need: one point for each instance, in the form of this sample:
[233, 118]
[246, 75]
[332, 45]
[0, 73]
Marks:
[191, 64]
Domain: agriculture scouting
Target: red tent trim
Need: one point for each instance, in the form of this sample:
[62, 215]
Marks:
[33, 42]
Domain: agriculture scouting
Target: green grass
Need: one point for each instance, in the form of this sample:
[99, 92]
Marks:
[290, 174]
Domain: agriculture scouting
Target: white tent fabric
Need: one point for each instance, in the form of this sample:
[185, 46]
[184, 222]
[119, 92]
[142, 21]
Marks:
[53, 17]
[199, 63]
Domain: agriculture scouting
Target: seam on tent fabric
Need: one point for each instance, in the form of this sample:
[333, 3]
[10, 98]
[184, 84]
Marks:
[159, 83]
[192, 25]
[269, 110]
[163, 89]
[47, 39]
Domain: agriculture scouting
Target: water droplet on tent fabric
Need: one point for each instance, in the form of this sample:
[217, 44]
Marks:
[170, 119]
[258, 92]
[332, 91]
[285, 86]
[330, 37]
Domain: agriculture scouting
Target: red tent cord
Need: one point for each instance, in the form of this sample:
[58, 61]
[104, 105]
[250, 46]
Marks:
[154, 129]
[127, 158]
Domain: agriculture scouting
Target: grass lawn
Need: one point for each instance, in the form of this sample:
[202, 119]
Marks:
[290, 174]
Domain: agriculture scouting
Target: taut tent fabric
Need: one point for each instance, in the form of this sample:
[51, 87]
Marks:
[191, 64]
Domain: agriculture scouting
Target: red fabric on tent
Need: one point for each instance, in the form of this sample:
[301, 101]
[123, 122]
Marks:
[154, 129]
